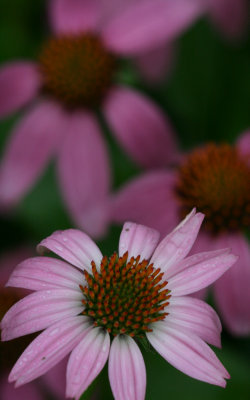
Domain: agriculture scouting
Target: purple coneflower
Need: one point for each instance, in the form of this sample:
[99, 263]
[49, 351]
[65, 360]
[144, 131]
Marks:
[98, 308]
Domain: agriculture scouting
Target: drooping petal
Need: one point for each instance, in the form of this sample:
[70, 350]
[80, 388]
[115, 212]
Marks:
[138, 240]
[50, 347]
[230, 16]
[201, 275]
[31, 145]
[73, 246]
[232, 289]
[175, 246]
[40, 273]
[148, 24]
[39, 310]
[86, 361]
[84, 173]
[127, 372]
[74, 16]
[140, 127]
[243, 144]
[188, 353]
[157, 64]
[19, 84]
[149, 200]
[195, 316]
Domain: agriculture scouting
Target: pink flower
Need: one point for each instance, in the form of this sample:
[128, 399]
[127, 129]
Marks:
[216, 179]
[9, 352]
[76, 74]
[87, 299]
[229, 16]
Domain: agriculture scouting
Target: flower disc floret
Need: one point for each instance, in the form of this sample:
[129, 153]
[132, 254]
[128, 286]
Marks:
[216, 179]
[77, 69]
[126, 296]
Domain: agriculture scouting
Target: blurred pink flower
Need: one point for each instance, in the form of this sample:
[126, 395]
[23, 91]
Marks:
[76, 74]
[83, 299]
[215, 179]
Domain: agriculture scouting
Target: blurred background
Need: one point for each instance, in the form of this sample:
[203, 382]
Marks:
[206, 96]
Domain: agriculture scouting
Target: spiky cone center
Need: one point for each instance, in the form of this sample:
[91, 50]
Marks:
[125, 296]
[216, 180]
[77, 69]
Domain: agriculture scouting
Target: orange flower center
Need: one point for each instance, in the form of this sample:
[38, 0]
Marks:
[216, 180]
[77, 70]
[125, 296]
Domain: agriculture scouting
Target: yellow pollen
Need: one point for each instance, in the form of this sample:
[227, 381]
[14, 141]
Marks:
[77, 69]
[216, 180]
[125, 296]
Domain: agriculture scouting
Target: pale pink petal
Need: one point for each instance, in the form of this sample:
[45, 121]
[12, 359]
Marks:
[175, 246]
[84, 173]
[50, 347]
[41, 273]
[74, 16]
[230, 16]
[243, 143]
[148, 24]
[188, 353]
[9, 261]
[201, 275]
[193, 260]
[157, 64]
[232, 292]
[31, 145]
[40, 310]
[138, 240]
[73, 246]
[149, 200]
[86, 361]
[19, 84]
[27, 392]
[195, 316]
[140, 127]
[127, 373]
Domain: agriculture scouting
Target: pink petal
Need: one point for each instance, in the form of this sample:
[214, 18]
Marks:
[140, 127]
[157, 64]
[195, 316]
[149, 200]
[74, 16]
[127, 372]
[243, 143]
[138, 240]
[84, 173]
[40, 310]
[86, 361]
[27, 392]
[49, 348]
[230, 16]
[201, 275]
[148, 24]
[41, 273]
[9, 261]
[19, 84]
[73, 246]
[31, 145]
[175, 246]
[232, 289]
[188, 353]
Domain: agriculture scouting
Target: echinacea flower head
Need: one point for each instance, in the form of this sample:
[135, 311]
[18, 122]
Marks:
[76, 75]
[216, 179]
[99, 308]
